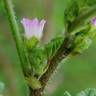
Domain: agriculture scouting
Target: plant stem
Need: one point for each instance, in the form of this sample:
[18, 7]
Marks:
[62, 53]
[37, 92]
[22, 52]
[64, 49]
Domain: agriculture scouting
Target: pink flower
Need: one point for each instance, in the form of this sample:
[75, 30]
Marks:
[33, 28]
[94, 21]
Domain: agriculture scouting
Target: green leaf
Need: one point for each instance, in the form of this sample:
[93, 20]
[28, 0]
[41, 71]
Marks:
[71, 11]
[78, 14]
[82, 20]
[87, 92]
[52, 47]
[39, 56]
[38, 60]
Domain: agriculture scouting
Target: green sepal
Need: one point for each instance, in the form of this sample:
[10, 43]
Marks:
[30, 43]
[33, 82]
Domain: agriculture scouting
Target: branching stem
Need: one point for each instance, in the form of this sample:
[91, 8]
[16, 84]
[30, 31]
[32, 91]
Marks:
[64, 50]
[61, 53]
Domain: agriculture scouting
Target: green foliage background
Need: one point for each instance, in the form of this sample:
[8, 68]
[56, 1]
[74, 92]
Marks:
[74, 75]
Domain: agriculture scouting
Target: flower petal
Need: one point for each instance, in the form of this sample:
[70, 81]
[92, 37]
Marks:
[41, 27]
[33, 27]
[94, 21]
[34, 22]
[42, 23]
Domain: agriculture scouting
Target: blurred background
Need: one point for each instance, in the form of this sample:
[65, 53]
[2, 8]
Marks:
[74, 75]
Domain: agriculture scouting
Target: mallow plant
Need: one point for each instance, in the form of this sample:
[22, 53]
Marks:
[38, 61]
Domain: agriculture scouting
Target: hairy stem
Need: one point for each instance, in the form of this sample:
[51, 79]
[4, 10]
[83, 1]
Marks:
[17, 37]
[62, 53]
[37, 92]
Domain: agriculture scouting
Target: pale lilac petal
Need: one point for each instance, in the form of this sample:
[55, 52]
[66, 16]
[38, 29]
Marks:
[33, 27]
[41, 27]
[94, 21]
[25, 22]
[34, 22]
[42, 23]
